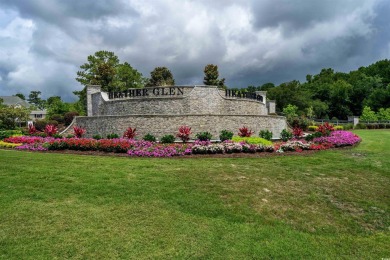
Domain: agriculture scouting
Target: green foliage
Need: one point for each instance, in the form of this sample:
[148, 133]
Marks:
[361, 126]
[285, 135]
[290, 111]
[251, 140]
[266, 134]
[299, 122]
[368, 115]
[112, 136]
[204, 136]
[384, 114]
[97, 137]
[34, 99]
[21, 96]
[310, 137]
[104, 69]
[68, 117]
[12, 117]
[211, 76]
[338, 127]
[167, 139]
[161, 76]
[150, 138]
[348, 126]
[225, 135]
[9, 133]
[312, 127]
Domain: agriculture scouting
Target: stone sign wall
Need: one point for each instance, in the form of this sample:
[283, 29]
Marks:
[162, 110]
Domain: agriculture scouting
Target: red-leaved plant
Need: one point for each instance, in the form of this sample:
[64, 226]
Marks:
[31, 129]
[184, 133]
[50, 130]
[130, 133]
[245, 132]
[325, 129]
[78, 131]
[297, 132]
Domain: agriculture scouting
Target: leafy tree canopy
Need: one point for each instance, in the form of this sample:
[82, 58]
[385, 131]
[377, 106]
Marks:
[161, 76]
[211, 76]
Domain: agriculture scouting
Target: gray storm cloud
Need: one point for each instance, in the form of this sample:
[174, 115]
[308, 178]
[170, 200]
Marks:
[43, 43]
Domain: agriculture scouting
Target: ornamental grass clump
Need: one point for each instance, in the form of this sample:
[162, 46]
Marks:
[50, 130]
[78, 131]
[245, 132]
[184, 133]
[130, 133]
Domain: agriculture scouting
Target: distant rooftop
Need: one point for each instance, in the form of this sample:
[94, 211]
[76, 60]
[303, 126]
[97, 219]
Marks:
[14, 101]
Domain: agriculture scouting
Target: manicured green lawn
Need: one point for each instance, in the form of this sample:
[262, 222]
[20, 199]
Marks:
[331, 204]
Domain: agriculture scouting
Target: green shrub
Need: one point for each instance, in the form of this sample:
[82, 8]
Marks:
[338, 127]
[361, 126]
[312, 128]
[285, 135]
[68, 117]
[167, 139]
[70, 136]
[57, 136]
[266, 134]
[150, 138]
[9, 133]
[348, 126]
[112, 136]
[299, 122]
[40, 124]
[372, 126]
[97, 137]
[312, 136]
[58, 118]
[225, 135]
[251, 140]
[204, 136]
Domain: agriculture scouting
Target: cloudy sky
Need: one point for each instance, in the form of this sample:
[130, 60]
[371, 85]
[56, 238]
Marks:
[43, 42]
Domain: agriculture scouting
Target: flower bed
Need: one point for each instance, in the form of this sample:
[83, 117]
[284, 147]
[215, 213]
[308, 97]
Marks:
[142, 148]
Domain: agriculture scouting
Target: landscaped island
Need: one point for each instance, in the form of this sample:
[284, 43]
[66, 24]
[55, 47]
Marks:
[323, 138]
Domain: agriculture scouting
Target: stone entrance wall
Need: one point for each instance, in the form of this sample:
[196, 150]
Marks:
[160, 125]
[203, 108]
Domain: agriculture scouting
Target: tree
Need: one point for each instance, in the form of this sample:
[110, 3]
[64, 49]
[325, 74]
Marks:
[99, 70]
[21, 96]
[11, 116]
[34, 99]
[211, 76]
[384, 114]
[161, 76]
[55, 106]
[104, 69]
[290, 111]
[368, 115]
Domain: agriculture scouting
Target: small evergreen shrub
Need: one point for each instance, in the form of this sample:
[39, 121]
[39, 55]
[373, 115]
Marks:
[150, 138]
[361, 126]
[310, 137]
[285, 135]
[40, 125]
[266, 134]
[57, 136]
[97, 137]
[58, 118]
[204, 136]
[68, 117]
[167, 139]
[225, 135]
[69, 136]
[112, 136]
[348, 126]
